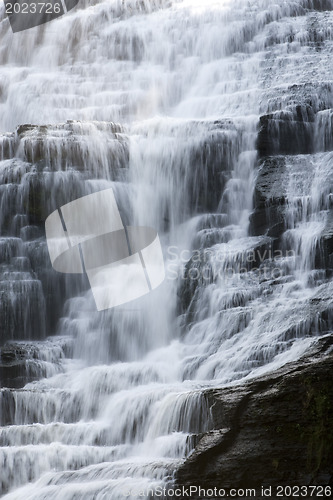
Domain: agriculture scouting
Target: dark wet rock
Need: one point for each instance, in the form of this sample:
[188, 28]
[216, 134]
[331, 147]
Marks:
[22, 130]
[22, 307]
[18, 373]
[66, 145]
[269, 198]
[287, 132]
[46, 158]
[272, 202]
[211, 221]
[198, 273]
[212, 160]
[45, 167]
[274, 430]
[207, 163]
[31, 233]
[324, 253]
[298, 119]
[315, 95]
[7, 146]
[324, 136]
[7, 407]
[21, 363]
[320, 5]
[201, 272]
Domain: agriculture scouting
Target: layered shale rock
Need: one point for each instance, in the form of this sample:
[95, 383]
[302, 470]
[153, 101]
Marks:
[42, 168]
[23, 362]
[275, 430]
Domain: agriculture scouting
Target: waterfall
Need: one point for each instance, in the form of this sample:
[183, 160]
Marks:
[211, 121]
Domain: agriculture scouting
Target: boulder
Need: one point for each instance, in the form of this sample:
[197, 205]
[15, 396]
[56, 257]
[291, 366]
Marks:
[274, 430]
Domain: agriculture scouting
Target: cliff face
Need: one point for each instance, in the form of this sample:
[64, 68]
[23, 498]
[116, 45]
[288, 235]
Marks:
[275, 430]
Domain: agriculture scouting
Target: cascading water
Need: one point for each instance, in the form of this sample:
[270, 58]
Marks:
[162, 101]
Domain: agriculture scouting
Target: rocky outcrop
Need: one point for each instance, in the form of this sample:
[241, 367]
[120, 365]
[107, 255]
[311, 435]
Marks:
[65, 145]
[287, 132]
[42, 168]
[294, 136]
[277, 199]
[23, 362]
[270, 198]
[274, 430]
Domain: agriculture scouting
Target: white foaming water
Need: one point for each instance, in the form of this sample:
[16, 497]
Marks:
[159, 100]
